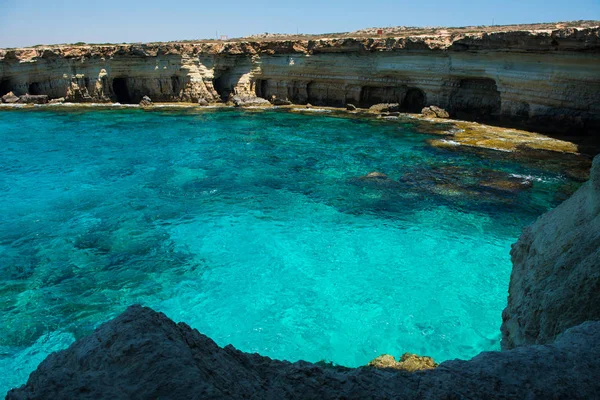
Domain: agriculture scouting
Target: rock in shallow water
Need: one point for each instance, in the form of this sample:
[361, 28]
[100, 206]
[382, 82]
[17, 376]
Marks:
[143, 354]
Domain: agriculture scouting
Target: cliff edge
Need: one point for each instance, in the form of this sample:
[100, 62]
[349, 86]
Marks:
[143, 354]
[555, 280]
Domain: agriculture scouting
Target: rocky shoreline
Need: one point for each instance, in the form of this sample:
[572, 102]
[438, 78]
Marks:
[540, 80]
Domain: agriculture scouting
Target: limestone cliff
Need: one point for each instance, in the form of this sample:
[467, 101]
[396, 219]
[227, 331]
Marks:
[555, 281]
[542, 80]
[143, 354]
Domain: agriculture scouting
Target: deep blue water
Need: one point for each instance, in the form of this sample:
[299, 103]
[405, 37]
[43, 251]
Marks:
[254, 228]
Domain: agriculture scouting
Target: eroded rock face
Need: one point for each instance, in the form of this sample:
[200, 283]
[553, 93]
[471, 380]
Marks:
[479, 76]
[555, 281]
[143, 354]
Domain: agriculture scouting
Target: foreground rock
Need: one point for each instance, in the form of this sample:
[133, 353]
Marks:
[408, 362]
[33, 99]
[146, 102]
[143, 354]
[10, 98]
[435, 112]
[555, 281]
[250, 101]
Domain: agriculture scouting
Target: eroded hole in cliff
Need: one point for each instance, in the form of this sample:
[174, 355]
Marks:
[223, 84]
[176, 85]
[476, 98]
[35, 88]
[371, 95]
[262, 88]
[121, 91]
[4, 87]
[414, 100]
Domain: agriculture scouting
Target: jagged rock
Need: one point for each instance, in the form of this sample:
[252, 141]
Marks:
[435, 112]
[202, 102]
[385, 107]
[33, 99]
[308, 105]
[408, 362]
[350, 107]
[249, 101]
[10, 98]
[60, 100]
[281, 102]
[555, 279]
[146, 102]
[143, 354]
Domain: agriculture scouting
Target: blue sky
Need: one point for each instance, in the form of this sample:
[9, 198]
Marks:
[30, 22]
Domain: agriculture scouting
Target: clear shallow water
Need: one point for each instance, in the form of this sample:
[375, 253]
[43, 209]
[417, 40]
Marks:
[254, 228]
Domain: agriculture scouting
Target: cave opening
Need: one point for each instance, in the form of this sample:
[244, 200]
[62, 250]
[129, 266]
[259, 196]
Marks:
[414, 100]
[4, 87]
[176, 85]
[35, 89]
[121, 91]
[262, 88]
[371, 95]
[476, 98]
[223, 85]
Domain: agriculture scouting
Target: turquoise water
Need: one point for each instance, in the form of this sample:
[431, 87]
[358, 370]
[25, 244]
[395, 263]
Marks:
[256, 229]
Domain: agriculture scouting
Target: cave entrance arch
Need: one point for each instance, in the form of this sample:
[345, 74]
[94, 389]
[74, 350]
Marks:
[121, 91]
[34, 88]
[414, 100]
[4, 87]
[223, 84]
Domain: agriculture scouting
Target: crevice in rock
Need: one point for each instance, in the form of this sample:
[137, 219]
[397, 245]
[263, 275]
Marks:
[121, 91]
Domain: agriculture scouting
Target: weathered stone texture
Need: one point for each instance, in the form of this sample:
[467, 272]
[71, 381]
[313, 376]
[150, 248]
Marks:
[555, 280]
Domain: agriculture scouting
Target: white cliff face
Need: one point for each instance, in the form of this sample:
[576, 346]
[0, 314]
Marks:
[555, 281]
[541, 81]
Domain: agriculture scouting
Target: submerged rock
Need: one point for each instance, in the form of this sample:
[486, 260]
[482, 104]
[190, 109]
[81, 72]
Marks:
[374, 178]
[435, 112]
[555, 279]
[143, 354]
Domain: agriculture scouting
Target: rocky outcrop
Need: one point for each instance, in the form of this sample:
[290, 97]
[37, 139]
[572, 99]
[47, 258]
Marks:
[408, 362]
[555, 281]
[146, 101]
[143, 354]
[542, 80]
[434, 112]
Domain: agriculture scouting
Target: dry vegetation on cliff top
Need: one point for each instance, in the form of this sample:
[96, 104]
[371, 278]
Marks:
[449, 33]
